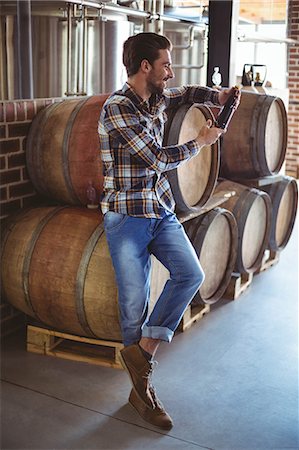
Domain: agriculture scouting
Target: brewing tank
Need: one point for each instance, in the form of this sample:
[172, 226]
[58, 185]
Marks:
[60, 50]
[105, 70]
[189, 55]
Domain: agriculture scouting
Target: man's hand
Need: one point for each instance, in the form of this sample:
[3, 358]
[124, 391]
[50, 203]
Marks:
[224, 94]
[208, 135]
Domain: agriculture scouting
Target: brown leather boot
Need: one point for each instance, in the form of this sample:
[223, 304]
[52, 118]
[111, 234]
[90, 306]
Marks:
[156, 416]
[139, 370]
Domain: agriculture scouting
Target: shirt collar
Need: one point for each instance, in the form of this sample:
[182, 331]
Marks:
[151, 106]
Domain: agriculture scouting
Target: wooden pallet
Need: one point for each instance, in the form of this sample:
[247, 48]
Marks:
[95, 351]
[270, 258]
[238, 284]
[63, 345]
[192, 314]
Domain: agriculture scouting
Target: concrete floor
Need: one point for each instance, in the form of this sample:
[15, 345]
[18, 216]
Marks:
[230, 382]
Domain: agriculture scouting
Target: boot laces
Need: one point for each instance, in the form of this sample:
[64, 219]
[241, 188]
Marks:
[157, 402]
[151, 388]
[148, 374]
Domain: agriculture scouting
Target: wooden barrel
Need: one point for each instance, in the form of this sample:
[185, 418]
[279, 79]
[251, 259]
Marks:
[252, 210]
[63, 149]
[255, 143]
[56, 267]
[214, 236]
[193, 182]
[284, 196]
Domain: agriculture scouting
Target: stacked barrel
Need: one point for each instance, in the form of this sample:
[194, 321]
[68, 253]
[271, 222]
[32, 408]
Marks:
[258, 205]
[253, 153]
[56, 263]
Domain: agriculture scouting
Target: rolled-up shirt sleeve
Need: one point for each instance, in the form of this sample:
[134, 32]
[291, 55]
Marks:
[191, 94]
[124, 127]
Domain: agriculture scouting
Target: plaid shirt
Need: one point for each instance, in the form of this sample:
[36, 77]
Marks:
[135, 163]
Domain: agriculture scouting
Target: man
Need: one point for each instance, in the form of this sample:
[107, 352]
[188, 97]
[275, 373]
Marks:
[138, 208]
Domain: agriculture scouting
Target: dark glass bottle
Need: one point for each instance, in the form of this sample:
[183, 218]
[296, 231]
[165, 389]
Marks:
[227, 110]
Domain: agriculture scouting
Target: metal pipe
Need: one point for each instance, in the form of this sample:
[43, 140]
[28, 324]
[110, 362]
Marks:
[24, 49]
[103, 55]
[190, 41]
[132, 12]
[78, 47]
[84, 51]
[160, 25]
[70, 10]
[148, 23]
[187, 66]
[81, 61]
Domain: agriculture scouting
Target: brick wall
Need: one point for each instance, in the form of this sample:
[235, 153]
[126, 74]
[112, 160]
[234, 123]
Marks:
[292, 158]
[16, 190]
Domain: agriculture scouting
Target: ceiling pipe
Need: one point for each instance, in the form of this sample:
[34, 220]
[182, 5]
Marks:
[131, 12]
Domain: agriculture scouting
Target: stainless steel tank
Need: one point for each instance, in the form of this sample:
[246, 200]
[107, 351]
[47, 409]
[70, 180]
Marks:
[189, 55]
[100, 60]
[106, 36]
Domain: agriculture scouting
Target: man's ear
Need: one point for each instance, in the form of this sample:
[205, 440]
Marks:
[145, 65]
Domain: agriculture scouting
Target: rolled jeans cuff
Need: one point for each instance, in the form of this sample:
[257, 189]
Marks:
[154, 332]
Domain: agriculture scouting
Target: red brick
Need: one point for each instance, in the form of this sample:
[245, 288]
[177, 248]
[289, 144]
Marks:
[10, 176]
[18, 129]
[25, 174]
[19, 190]
[16, 160]
[30, 110]
[3, 193]
[1, 112]
[24, 143]
[20, 109]
[10, 207]
[2, 131]
[10, 112]
[2, 162]
[10, 146]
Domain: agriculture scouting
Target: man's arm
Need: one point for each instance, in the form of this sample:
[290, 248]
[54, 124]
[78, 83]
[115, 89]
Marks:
[124, 127]
[191, 94]
[198, 94]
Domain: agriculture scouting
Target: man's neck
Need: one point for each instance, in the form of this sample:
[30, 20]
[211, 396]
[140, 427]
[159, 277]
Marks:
[139, 86]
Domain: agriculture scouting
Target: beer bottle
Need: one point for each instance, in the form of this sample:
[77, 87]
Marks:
[227, 110]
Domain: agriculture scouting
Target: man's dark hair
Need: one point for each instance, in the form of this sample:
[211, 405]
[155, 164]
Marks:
[143, 46]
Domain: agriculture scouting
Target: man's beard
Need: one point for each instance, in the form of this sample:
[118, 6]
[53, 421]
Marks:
[154, 89]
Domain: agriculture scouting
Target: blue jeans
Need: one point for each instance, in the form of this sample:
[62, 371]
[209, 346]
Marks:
[131, 241]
